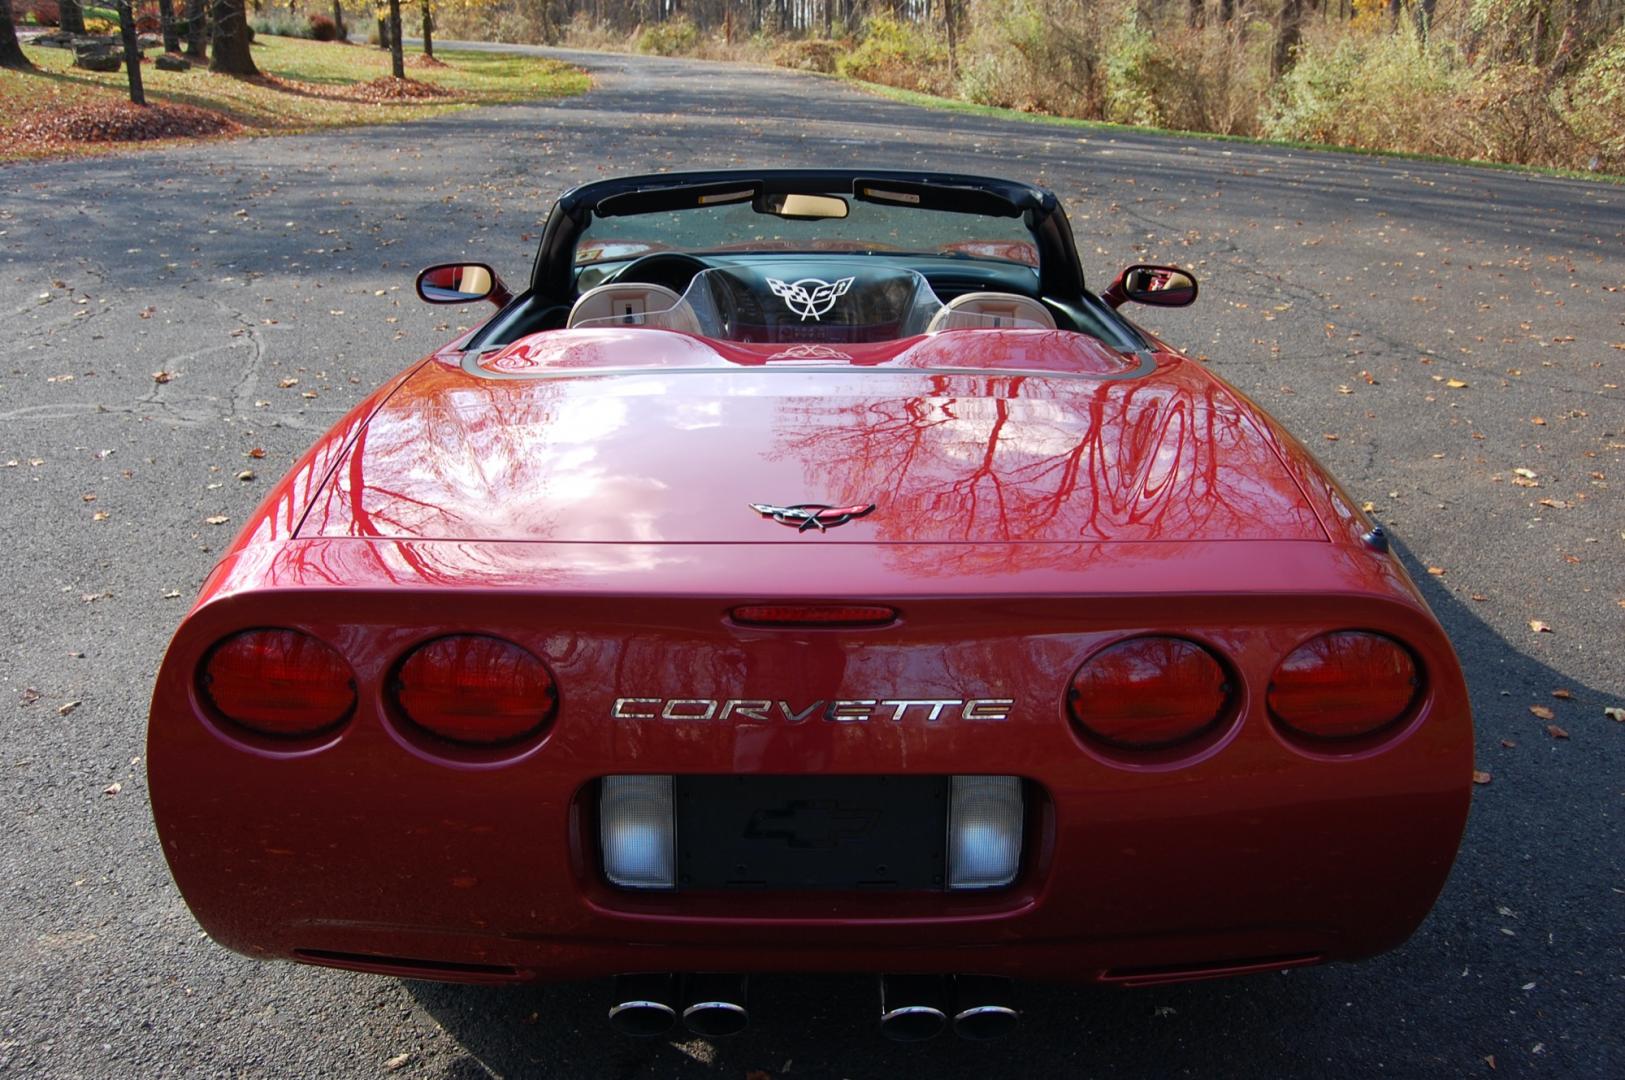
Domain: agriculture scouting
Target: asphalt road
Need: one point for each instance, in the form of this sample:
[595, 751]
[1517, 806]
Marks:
[1350, 295]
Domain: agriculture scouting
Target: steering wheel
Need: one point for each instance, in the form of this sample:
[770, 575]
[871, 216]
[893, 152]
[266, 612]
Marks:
[672, 269]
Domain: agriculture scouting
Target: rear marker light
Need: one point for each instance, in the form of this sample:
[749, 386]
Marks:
[1149, 692]
[1344, 685]
[984, 831]
[470, 688]
[814, 614]
[279, 682]
[636, 828]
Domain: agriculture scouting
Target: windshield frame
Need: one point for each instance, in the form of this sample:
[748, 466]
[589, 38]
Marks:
[1060, 275]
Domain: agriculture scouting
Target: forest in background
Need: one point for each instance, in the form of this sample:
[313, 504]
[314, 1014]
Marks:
[1530, 82]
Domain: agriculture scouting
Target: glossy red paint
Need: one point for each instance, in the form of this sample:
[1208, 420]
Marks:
[585, 495]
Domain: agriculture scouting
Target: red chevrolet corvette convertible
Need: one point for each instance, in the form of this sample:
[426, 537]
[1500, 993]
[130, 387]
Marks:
[804, 572]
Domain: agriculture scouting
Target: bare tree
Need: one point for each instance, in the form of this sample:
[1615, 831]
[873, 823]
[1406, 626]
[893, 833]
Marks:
[231, 55]
[397, 62]
[166, 24]
[338, 20]
[132, 51]
[11, 53]
[195, 38]
[428, 29]
[71, 18]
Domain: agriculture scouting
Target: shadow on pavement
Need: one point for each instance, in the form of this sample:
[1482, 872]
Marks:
[1459, 973]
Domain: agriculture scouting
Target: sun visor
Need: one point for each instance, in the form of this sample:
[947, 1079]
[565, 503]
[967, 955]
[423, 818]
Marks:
[689, 197]
[953, 200]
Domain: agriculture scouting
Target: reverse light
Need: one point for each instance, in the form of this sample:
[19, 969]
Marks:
[278, 682]
[1149, 692]
[1344, 685]
[470, 688]
[637, 831]
[984, 831]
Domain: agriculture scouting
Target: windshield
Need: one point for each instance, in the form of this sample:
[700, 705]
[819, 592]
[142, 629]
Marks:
[796, 303]
[866, 226]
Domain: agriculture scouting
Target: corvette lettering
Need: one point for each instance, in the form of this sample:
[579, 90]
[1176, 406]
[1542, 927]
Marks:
[842, 711]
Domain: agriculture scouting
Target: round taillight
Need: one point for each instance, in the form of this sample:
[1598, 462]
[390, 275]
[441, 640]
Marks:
[279, 682]
[470, 688]
[1344, 685]
[1150, 692]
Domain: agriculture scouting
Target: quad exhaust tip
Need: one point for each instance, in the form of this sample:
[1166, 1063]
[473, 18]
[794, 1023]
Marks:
[914, 1008]
[646, 1006]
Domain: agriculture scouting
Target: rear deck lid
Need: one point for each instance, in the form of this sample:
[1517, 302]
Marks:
[967, 436]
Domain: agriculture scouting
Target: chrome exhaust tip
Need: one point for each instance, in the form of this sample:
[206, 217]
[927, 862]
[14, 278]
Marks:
[913, 1008]
[982, 1008]
[716, 1005]
[643, 1005]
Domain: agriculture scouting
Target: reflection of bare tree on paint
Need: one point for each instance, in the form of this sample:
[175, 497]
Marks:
[1021, 459]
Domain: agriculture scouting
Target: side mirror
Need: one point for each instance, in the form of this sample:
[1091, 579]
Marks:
[1162, 286]
[461, 283]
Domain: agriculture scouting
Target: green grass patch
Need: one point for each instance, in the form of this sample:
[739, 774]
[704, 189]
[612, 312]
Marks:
[314, 85]
[931, 101]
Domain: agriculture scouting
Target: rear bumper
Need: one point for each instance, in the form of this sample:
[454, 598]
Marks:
[372, 852]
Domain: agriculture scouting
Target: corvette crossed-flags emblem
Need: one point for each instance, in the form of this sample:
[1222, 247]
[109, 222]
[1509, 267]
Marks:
[811, 298]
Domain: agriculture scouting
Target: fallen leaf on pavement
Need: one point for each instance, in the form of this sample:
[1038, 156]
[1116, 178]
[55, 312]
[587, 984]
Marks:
[1556, 732]
[1563, 695]
[257, 452]
[1541, 711]
[1539, 627]
[64, 710]
[30, 695]
[217, 519]
[113, 789]
[1480, 777]
[1456, 384]
[1527, 474]
[1615, 714]
[399, 1061]
[161, 377]
[1436, 571]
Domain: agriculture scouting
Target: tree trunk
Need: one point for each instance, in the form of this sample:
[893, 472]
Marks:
[338, 20]
[11, 53]
[428, 30]
[397, 62]
[166, 24]
[383, 33]
[231, 55]
[195, 37]
[72, 17]
[132, 51]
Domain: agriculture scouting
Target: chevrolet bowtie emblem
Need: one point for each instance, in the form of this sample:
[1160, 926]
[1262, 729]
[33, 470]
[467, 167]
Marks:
[804, 516]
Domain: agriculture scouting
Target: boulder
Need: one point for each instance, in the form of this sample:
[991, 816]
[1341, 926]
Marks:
[173, 62]
[98, 58]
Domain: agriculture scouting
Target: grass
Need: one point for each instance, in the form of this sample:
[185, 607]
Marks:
[914, 97]
[312, 93]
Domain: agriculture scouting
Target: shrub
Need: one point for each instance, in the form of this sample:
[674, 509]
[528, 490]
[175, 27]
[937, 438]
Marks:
[323, 28]
[44, 12]
[810, 55]
[898, 53]
[673, 37]
[100, 26]
[1593, 102]
[147, 22]
[279, 24]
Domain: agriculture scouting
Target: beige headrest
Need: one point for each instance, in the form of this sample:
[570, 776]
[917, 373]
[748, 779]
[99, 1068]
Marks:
[632, 303]
[992, 311]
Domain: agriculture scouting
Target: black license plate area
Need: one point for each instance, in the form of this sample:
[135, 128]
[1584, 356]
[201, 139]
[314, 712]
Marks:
[885, 833]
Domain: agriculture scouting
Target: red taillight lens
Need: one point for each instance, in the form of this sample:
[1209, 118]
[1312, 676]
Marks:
[475, 689]
[1150, 692]
[279, 682]
[814, 614]
[1344, 685]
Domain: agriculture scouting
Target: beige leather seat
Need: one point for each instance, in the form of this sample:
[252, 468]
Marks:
[632, 303]
[992, 311]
